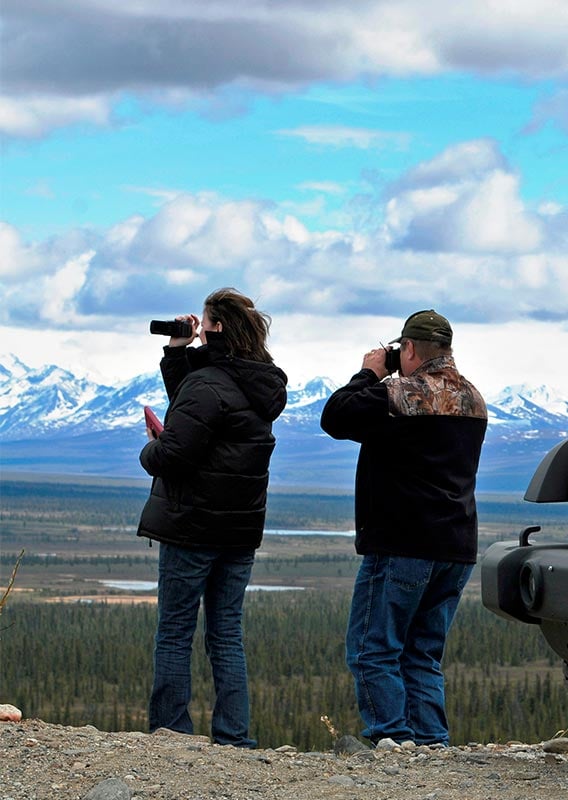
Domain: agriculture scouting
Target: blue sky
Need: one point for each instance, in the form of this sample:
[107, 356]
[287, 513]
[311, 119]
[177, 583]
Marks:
[343, 164]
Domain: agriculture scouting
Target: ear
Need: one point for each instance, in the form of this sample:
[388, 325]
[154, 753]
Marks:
[410, 350]
[219, 327]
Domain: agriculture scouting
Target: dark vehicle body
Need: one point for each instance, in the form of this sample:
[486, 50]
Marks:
[528, 581]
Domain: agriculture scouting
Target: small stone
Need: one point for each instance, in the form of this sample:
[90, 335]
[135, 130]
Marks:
[9, 713]
[263, 758]
[386, 744]
[408, 745]
[348, 745]
[559, 745]
[342, 780]
[365, 755]
[111, 789]
[476, 758]
[286, 748]
[177, 734]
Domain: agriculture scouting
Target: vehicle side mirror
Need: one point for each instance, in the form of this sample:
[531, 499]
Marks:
[529, 582]
[550, 481]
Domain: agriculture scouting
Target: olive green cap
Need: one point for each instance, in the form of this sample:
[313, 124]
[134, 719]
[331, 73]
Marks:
[426, 326]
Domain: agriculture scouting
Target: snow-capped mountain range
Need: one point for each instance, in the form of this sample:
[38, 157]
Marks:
[53, 421]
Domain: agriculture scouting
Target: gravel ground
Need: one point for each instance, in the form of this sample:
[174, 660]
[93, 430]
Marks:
[41, 761]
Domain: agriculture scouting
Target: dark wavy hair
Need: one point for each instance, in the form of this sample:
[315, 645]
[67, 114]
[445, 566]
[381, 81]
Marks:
[245, 329]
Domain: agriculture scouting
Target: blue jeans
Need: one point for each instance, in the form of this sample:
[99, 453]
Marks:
[220, 577]
[401, 612]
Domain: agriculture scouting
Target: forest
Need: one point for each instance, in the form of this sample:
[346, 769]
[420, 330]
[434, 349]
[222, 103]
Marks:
[92, 664]
[76, 652]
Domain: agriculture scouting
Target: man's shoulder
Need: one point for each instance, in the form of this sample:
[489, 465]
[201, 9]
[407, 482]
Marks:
[439, 389]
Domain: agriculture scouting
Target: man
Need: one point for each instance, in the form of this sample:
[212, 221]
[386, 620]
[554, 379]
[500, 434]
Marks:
[416, 523]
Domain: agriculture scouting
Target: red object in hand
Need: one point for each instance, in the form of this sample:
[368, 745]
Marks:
[152, 422]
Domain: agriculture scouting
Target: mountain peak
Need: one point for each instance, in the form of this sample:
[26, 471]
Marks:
[318, 388]
[52, 420]
[11, 367]
[518, 398]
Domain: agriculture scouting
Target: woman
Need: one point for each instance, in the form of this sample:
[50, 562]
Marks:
[207, 504]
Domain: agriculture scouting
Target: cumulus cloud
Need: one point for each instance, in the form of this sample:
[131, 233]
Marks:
[17, 259]
[466, 200]
[454, 233]
[69, 60]
[61, 289]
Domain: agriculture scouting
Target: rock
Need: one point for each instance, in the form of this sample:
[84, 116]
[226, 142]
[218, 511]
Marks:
[286, 748]
[164, 767]
[408, 745]
[342, 780]
[111, 789]
[348, 745]
[386, 744]
[9, 713]
[559, 745]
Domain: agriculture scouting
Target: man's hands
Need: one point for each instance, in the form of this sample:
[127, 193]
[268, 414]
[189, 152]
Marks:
[183, 342]
[375, 360]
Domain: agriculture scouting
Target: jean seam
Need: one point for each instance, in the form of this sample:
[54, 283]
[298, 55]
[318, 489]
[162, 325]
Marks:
[361, 647]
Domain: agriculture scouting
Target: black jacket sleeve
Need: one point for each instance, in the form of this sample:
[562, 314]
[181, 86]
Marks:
[191, 421]
[357, 410]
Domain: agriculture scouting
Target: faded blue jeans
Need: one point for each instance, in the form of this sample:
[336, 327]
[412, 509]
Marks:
[220, 576]
[401, 613]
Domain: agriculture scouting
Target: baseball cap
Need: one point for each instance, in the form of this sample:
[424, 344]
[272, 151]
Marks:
[427, 326]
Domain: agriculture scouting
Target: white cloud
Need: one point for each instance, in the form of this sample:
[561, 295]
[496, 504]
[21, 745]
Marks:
[121, 235]
[68, 61]
[495, 36]
[452, 236]
[17, 259]
[61, 289]
[492, 356]
[306, 345]
[493, 219]
[325, 187]
[462, 162]
[33, 116]
[465, 201]
[342, 136]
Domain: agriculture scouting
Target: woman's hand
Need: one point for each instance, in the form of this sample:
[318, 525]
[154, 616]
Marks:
[193, 320]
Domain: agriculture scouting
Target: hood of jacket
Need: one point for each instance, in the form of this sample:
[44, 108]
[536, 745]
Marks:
[262, 383]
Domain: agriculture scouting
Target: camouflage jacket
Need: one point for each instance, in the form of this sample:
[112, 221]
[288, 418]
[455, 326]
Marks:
[436, 387]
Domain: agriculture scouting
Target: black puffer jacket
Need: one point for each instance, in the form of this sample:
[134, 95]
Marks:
[210, 463]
